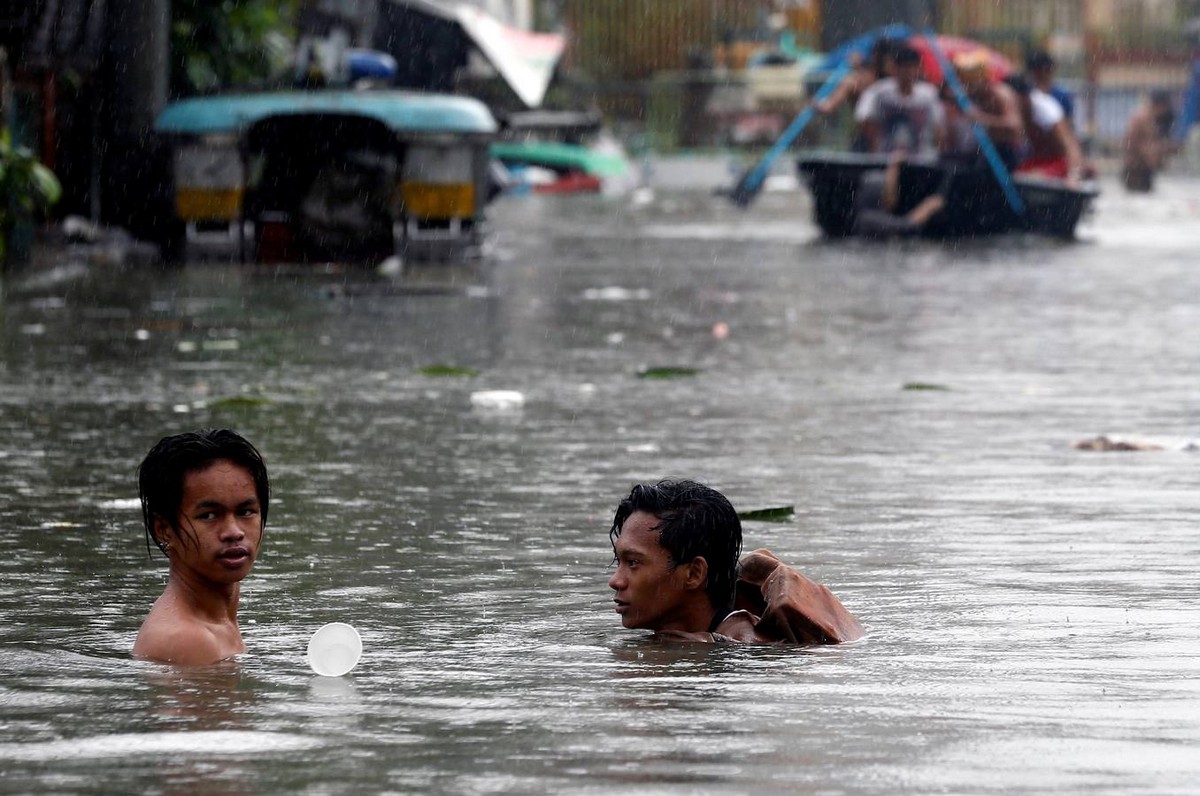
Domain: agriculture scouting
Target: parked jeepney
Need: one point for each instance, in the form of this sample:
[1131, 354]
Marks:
[320, 175]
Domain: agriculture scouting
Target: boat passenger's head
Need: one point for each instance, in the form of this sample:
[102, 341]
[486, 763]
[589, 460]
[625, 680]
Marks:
[1040, 65]
[163, 473]
[883, 57]
[972, 69]
[908, 65]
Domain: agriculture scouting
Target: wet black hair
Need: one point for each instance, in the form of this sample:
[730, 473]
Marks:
[904, 55]
[1164, 120]
[162, 473]
[694, 520]
[881, 51]
[1019, 84]
[1039, 59]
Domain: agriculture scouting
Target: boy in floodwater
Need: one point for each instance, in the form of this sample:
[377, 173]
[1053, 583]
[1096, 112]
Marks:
[204, 501]
[676, 546]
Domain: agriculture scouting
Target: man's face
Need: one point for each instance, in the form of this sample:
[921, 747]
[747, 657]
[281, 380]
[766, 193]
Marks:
[908, 74]
[220, 508]
[649, 592]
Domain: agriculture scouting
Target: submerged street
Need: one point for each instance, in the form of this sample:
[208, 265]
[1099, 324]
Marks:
[1029, 606]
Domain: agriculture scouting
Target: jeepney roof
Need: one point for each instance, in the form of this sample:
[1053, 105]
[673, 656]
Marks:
[402, 111]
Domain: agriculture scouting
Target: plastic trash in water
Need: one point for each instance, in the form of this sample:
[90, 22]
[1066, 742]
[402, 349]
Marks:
[499, 400]
[334, 649]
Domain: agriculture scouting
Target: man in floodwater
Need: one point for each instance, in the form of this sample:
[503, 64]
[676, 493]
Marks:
[1148, 143]
[204, 503]
[676, 547]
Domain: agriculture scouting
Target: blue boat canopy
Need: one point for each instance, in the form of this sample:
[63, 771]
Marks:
[402, 111]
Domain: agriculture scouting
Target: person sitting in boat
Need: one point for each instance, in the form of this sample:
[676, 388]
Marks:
[676, 546]
[993, 105]
[878, 65]
[204, 498]
[1040, 68]
[1051, 150]
[902, 111]
[1148, 143]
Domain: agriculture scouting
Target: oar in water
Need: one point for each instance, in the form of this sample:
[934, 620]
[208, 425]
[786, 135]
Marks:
[985, 142]
[749, 186]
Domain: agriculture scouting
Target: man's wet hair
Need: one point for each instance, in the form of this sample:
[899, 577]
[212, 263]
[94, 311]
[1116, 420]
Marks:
[1164, 119]
[905, 55]
[694, 520]
[881, 51]
[162, 473]
[1019, 84]
[1038, 60]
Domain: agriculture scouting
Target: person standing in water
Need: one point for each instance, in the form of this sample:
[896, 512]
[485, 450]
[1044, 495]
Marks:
[1148, 143]
[676, 546]
[204, 498]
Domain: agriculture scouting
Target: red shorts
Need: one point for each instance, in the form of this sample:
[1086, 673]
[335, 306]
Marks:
[1047, 167]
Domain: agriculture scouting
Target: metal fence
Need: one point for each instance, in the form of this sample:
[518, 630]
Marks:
[649, 63]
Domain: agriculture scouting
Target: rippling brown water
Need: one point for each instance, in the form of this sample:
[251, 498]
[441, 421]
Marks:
[1031, 613]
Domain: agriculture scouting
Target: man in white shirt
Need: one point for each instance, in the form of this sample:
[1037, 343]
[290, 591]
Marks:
[902, 112]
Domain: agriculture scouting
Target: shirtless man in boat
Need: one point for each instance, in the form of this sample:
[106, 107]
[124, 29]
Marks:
[204, 504]
[676, 546]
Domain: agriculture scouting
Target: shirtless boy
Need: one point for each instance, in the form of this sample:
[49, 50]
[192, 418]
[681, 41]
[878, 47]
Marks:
[204, 503]
[676, 546]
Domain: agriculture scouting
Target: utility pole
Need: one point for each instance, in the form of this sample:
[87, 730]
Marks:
[134, 171]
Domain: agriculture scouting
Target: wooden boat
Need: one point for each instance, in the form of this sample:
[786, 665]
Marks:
[976, 204]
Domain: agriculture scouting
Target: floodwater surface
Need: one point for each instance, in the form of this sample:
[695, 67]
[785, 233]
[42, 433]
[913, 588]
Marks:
[1030, 607]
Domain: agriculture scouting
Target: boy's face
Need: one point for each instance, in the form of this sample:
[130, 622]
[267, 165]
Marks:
[221, 512]
[651, 593]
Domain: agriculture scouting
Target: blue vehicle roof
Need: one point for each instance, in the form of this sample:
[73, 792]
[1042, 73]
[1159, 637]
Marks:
[402, 111]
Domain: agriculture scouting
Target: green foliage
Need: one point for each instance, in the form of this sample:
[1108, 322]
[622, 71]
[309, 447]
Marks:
[228, 44]
[26, 187]
[668, 372]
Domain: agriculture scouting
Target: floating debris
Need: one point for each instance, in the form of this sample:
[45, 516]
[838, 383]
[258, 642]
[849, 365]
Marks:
[924, 385]
[667, 373]
[775, 514]
[220, 345]
[1103, 443]
[446, 370]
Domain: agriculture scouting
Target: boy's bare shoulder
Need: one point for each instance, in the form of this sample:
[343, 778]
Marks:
[166, 637]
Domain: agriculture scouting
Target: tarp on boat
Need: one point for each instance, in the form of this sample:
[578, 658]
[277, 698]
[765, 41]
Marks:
[999, 65]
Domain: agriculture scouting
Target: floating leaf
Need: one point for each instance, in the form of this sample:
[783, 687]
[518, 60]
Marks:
[921, 385]
[240, 402]
[446, 370]
[775, 514]
[667, 373]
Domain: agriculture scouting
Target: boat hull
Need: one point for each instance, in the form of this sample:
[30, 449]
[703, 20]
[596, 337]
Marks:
[975, 205]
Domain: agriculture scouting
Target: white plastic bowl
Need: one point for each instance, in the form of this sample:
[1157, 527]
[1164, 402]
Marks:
[497, 400]
[334, 649]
